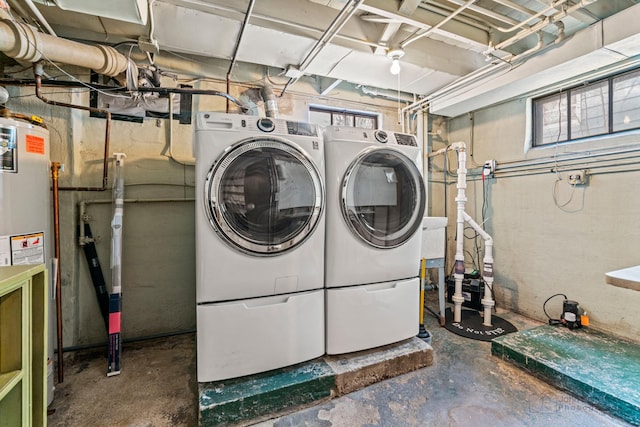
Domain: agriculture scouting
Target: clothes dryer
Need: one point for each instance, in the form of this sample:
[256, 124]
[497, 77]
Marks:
[375, 206]
[259, 244]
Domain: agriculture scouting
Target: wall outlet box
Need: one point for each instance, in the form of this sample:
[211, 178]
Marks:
[293, 72]
[489, 168]
[577, 177]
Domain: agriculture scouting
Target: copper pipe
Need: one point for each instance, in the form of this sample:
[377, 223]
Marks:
[105, 159]
[55, 169]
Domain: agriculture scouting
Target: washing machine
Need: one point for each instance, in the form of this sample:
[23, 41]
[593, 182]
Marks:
[375, 206]
[260, 227]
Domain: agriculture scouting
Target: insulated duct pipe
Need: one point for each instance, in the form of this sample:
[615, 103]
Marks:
[23, 42]
[270, 100]
[461, 218]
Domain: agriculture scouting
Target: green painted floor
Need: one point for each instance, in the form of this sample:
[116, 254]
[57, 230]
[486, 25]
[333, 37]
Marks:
[599, 369]
[246, 398]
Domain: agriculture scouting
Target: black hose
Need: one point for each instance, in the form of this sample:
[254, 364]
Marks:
[97, 278]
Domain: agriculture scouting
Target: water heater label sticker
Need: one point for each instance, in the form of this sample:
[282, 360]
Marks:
[27, 249]
[5, 251]
[35, 144]
[8, 149]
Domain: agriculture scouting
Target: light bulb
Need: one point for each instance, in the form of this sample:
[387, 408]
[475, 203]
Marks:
[395, 67]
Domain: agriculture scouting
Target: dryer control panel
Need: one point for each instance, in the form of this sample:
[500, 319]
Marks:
[346, 133]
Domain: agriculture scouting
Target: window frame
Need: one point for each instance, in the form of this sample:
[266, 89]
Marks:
[537, 140]
[347, 113]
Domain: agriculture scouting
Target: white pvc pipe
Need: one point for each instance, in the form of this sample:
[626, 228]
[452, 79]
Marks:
[461, 218]
[487, 270]
[461, 199]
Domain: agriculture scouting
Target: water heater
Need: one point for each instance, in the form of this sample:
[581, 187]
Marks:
[26, 235]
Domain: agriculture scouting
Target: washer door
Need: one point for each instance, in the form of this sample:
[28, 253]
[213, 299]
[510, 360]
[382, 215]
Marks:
[264, 196]
[383, 197]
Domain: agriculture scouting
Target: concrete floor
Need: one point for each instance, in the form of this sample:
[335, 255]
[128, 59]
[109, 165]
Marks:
[465, 386]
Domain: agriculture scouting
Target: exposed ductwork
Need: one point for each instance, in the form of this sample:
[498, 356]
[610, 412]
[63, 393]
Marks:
[25, 43]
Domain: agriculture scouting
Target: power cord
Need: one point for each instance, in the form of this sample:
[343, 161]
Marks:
[544, 308]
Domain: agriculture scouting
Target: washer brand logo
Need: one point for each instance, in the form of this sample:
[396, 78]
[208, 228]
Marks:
[315, 145]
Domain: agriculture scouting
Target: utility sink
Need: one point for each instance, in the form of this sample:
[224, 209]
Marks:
[433, 244]
[626, 278]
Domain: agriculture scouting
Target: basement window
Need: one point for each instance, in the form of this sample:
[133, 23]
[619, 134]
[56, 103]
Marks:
[603, 107]
[335, 117]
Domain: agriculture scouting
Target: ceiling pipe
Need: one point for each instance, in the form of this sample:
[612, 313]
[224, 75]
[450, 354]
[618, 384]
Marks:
[381, 93]
[480, 25]
[23, 42]
[515, 6]
[494, 68]
[552, 6]
[511, 59]
[549, 20]
[410, 40]
[247, 16]
[36, 12]
[487, 13]
[334, 28]
[159, 90]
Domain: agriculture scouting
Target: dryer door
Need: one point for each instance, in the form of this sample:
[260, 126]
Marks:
[383, 197]
[264, 196]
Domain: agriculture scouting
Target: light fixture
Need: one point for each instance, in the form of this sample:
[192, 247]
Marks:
[395, 55]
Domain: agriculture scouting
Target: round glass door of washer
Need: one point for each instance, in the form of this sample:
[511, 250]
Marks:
[264, 196]
[383, 197]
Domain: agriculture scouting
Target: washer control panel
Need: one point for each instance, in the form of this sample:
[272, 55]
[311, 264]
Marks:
[222, 121]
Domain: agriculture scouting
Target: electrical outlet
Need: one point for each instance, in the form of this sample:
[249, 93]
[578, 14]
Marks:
[489, 168]
[578, 177]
